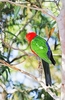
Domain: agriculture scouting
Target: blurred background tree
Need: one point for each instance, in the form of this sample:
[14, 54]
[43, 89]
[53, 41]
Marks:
[17, 17]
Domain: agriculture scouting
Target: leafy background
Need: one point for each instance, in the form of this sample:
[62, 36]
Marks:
[15, 22]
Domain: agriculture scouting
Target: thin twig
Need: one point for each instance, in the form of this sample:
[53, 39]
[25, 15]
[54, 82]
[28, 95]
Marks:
[17, 58]
[57, 4]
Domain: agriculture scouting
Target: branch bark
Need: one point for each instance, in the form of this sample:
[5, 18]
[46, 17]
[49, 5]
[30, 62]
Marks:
[61, 26]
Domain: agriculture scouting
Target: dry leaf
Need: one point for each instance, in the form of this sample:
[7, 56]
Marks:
[51, 31]
[47, 31]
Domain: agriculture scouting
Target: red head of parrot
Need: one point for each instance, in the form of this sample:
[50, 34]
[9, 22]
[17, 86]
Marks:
[30, 36]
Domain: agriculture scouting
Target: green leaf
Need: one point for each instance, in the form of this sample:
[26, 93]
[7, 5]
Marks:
[11, 33]
[8, 4]
[6, 70]
[16, 11]
[14, 35]
[2, 56]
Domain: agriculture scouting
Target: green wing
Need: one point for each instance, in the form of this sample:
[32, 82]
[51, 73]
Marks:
[38, 45]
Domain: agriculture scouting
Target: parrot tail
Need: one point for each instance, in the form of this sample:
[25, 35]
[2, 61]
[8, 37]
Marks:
[47, 73]
[52, 59]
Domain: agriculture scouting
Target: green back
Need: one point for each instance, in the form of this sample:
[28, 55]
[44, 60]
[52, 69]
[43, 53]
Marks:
[38, 45]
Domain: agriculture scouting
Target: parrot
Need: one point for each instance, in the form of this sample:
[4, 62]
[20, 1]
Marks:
[40, 47]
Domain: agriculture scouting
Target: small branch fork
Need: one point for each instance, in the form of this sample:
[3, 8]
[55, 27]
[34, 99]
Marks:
[33, 77]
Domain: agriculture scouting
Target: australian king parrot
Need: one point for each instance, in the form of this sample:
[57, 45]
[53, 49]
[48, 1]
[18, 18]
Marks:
[41, 48]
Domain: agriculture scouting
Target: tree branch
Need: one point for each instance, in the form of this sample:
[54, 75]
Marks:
[61, 26]
[45, 11]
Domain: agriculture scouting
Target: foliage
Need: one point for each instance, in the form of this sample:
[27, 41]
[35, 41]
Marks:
[15, 22]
